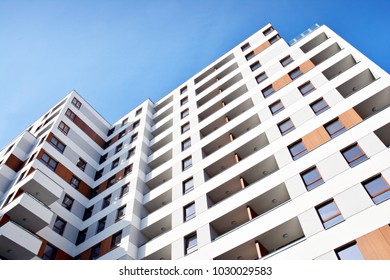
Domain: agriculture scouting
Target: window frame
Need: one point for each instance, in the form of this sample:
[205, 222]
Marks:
[316, 182]
[337, 132]
[115, 163]
[261, 77]
[250, 55]
[120, 212]
[379, 196]
[76, 103]
[268, 91]
[184, 163]
[70, 114]
[184, 113]
[192, 211]
[185, 127]
[124, 190]
[63, 128]
[59, 146]
[187, 240]
[301, 152]
[184, 101]
[357, 159]
[101, 224]
[275, 104]
[59, 229]
[67, 202]
[327, 220]
[186, 144]
[321, 109]
[81, 164]
[49, 162]
[286, 60]
[188, 189]
[304, 85]
[245, 47]
[254, 66]
[288, 129]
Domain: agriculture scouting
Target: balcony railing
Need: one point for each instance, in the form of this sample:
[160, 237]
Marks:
[303, 34]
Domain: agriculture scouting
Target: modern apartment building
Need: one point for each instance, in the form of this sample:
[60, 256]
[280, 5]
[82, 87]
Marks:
[276, 150]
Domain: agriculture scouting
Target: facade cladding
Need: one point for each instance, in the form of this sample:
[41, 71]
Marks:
[275, 151]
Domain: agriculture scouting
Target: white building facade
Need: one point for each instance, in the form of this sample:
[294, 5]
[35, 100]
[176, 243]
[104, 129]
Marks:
[275, 151]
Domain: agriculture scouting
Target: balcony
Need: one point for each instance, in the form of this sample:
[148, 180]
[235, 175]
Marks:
[214, 68]
[325, 54]
[243, 180]
[383, 134]
[156, 143]
[217, 78]
[267, 244]
[221, 121]
[339, 67]
[28, 212]
[41, 187]
[156, 160]
[16, 243]
[164, 103]
[159, 116]
[257, 207]
[226, 100]
[374, 104]
[356, 83]
[316, 41]
[239, 154]
[157, 202]
[159, 179]
[162, 254]
[162, 128]
[153, 229]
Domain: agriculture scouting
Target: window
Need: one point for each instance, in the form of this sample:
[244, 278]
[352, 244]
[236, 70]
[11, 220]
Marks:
[329, 214]
[107, 144]
[188, 185]
[21, 176]
[319, 106]
[103, 158]
[185, 113]
[186, 163]
[101, 224]
[185, 127]
[121, 134]
[297, 150]
[69, 113]
[131, 153]
[334, 128]
[106, 201]
[111, 181]
[294, 74]
[245, 47]
[59, 226]
[99, 174]
[63, 128]
[274, 39]
[116, 239]
[255, 66]
[120, 213]
[119, 148]
[353, 155]
[306, 88]
[190, 243]
[261, 77]
[49, 253]
[74, 182]
[268, 91]
[139, 111]
[268, 31]
[111, 131]
[76, 102]
[189, 211]
[184, 101]
[57, 144]
[135, 124]
[49, 162]
[183, 90]
[81, 164]
[93, 193]
[67, 202]
[286, 126]
[349, 252]
[81, 236]
[115, 163]
[312, 178]
[250, 55]
[276, 107]
[87, 213]
[133, 137]
[186, 144]
[286, 61]
[128, 170]
[124, 122]
[95, 252]
[124, 190]
[377, 188]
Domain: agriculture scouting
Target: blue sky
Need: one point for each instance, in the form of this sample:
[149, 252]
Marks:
[118, 53]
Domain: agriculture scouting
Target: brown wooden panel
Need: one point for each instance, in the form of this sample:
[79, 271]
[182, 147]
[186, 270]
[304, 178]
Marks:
[105, 246]
[114, 139]
[262, 47]
[120, 175]
[61, 255]
[84, 189]
[86, 254]
[306, 66]
[14, 163]
[374, 246]
[89, 131]
[63, 172]
[31, 170]
[102, 187]
[350, 118]
[315, 138]
[386, 233]
[42, 249]
[4, 219]
[281, 82]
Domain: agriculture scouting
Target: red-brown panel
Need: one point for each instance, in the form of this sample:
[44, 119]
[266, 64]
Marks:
[61, 255]
[306, 66]
[315, 138]
[89, 131]
[281, 82]
[350, 118]
[14, 163]
[262, 47]
[42, 249]
[86, 254]
[374, 246]
[4, 219]
[105, 246]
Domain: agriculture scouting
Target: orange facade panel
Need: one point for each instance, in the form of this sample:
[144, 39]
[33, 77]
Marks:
[306, 66]
[315, 138]
[281, 82]
[261, 48]
[350, 118]
[375, 245]
[105, 246]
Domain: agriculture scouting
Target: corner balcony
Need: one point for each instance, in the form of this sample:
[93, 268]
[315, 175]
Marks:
[28, 212]
[16, 243]
[41, 187]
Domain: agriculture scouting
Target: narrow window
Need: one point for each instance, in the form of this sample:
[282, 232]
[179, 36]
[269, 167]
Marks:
[81, 164]
[268, 31]
[67, 202]
[138, 112]
[297, 150]
[106, 201]
[75, 182]
[268, 91]
[115, 163]
[329, 213]
[131, 153]
[76, 102]
[286, 126]
[186, 163]
[190, 243]
[63, 128]
[57, 144]
[128, 170]
[274, 39]
[185, 113]
[184, 101]
[183, 90]
[377, 188]
[120, 212]
[353, 155]
[294, 74]
[312, 178]
[124, 122]
[306, 88]
[87, 213]
[101, 224]
[286, 61]
[49, 162]
[261, 77]
[81, 236]
[335, 128]
[59, 226]
[185, 127]
[319, 106]
[186, 144]
[103, 158]
[255, 66]
[111, 181]
[133, 137]
[124, 190]
[189, 211]
[276, 107]
[119, 148]
[250, 55]
[69, 113]
[116, 239]
[245, 47]
[188, 185]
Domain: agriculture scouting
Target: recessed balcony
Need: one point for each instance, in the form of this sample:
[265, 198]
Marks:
[162, 254]
[316, 41]
[157, 160]
[28, 212]
[214, 68]
[325, 54]
[356, 83]
[162, 128]
[160, 179]
[41, 187]
[156, 143]
[374, 104]
[339, 67]
[159, 116]
[383, 134]
[16, 243]
[156, 203]
[164, 103]
[267, 244]
[154, 229]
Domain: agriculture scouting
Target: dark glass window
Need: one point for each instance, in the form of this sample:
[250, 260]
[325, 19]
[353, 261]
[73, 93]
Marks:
[261, 77]
[349, 252]
[306, 88]
[189, 211]
[186, 144]
[330, 214]
[190, 243]
[67, 202]
[101, 224]
[294, 74]
[297, 150]
[69, 113]
[75, 182]
[49, 162]
[286, 126]
[276, 107]
[57, 144]
[245, 47]
[250, 55]
[377, 188]
[312, 178]
[319, 106]
[255, 66]
[286, 61]
[335, 128]
[188, 185]
[120, 212]
[268, 91]
[59, 226]
[63, 128]
[124, 190]
[185, 127]
[76, 102]
[186, 163]
[81, 164]
[353, 155]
